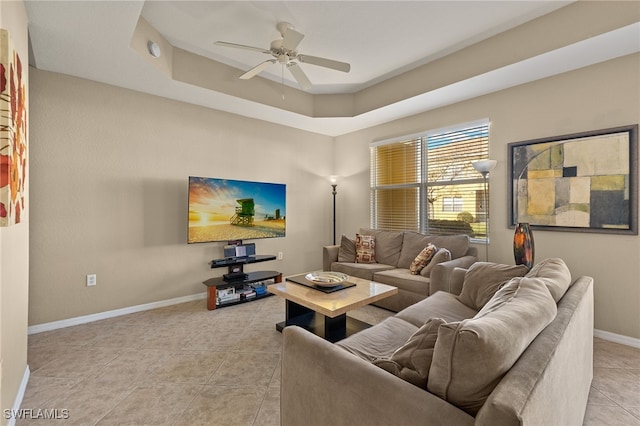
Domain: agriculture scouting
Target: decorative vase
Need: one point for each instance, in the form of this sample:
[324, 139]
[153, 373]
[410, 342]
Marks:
[523, 247]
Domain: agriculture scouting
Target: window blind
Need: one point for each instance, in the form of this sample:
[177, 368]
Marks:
[396, 176]
[427, 183]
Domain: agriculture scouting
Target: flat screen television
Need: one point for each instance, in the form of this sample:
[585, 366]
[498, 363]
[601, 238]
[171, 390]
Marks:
[227, 210]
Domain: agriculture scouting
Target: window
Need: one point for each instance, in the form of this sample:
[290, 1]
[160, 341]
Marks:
[426, 182]
[452, 204]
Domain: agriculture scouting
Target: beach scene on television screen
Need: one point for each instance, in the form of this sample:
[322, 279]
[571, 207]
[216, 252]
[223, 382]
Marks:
[224, 210]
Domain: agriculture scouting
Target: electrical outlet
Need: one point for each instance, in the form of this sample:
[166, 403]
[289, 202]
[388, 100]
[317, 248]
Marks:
[91, 280]
[280, 255]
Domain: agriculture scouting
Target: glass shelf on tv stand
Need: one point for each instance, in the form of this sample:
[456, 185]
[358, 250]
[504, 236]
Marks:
[235, 266]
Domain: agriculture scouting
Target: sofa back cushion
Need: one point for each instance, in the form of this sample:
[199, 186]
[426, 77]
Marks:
[555, 274]
[347, 250]
[414, 242]
[388, 245]
[458, 245]
[412, 245]
[471, 356]
[483, 279]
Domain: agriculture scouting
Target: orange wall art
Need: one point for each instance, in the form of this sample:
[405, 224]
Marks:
[13, 134]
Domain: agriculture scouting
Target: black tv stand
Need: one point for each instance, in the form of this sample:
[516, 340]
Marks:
[236, 264]
[245, 282]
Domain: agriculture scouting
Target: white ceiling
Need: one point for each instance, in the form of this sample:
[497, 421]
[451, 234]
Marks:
[380, 39]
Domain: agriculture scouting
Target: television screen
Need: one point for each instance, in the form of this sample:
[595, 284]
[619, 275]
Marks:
[225, 210]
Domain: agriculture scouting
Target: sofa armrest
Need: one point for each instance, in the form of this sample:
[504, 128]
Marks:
[329, 255]
[322, 384]
[441, 274]
[456, 279]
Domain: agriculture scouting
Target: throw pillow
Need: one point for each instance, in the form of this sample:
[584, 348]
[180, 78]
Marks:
[555, 274]
[365, 249]
[411, 362]
[347, 250]
[471, 356]
[422, 259]
[442, 255]
[483, 279]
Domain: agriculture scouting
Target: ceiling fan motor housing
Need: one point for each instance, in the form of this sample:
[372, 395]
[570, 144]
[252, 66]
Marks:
[278, 51]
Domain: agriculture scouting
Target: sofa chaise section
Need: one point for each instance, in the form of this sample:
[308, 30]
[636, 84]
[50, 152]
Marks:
[547, 383]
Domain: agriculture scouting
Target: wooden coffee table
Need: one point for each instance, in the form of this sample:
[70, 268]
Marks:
[325, 314]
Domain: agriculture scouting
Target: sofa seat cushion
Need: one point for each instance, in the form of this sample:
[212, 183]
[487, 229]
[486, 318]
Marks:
[471, 356]
[360, 270]
[388, 245]
[403, 279]
[411, 362]
[380, 341]
[439, 305]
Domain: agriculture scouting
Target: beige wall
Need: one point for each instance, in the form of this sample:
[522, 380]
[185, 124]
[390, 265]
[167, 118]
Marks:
[596, 97]
[109, 193]
[14, 254]
[109, 186]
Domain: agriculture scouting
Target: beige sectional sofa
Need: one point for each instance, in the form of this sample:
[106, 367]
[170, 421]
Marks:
[505, 351]
[394, 253]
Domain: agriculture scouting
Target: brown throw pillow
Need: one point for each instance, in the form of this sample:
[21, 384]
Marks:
[365, 249]
[422, 259]
[483, 279]
[347, 250]
[411, 362]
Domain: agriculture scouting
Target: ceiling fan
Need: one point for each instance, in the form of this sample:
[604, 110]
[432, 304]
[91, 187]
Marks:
[284, 51]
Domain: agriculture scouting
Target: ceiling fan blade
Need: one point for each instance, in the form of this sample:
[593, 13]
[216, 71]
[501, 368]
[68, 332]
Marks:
[291, 39]
[257, 69]
[323, 62]
[299, 75]
[242, 46]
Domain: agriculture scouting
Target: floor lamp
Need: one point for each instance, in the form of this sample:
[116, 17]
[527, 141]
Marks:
[334, 184]
[484, 167]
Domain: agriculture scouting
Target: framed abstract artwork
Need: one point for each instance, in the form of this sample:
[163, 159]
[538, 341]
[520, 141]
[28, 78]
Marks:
[583, 182]
[13, 134]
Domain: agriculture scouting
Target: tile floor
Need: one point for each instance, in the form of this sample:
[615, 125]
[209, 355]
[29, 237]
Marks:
[184, 365]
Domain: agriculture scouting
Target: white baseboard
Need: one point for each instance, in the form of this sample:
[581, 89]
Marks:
[19, 397]
[617, 338]
[39, 328]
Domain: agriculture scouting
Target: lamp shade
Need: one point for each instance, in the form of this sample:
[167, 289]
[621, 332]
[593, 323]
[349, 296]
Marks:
[484, 166]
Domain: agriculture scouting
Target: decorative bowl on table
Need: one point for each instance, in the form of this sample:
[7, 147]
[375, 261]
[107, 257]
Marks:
[326, 278]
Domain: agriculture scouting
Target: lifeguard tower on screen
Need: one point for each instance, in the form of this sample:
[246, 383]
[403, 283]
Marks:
[244, 212]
